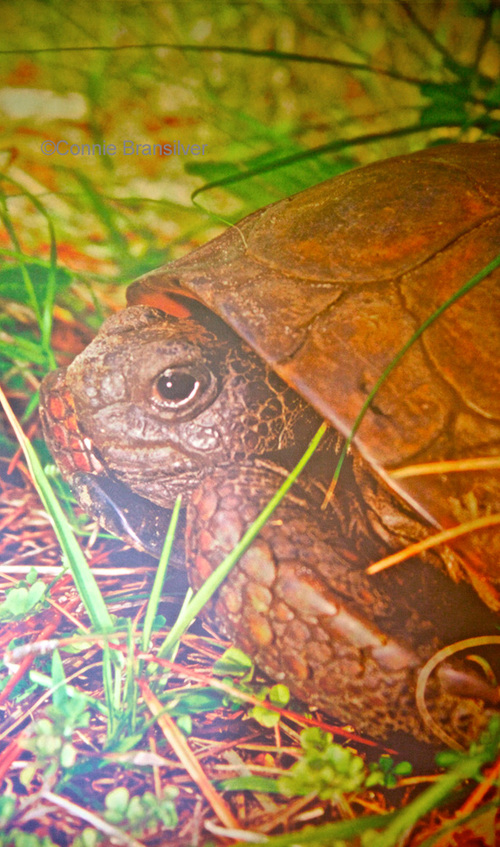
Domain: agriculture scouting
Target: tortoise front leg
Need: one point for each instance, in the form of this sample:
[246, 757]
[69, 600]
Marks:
[313, 621]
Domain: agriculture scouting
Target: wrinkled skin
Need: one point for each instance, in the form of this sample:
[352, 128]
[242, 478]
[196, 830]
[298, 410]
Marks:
[157, 406]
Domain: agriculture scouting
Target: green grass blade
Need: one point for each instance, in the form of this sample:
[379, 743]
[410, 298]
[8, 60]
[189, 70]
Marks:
[73, 555]
[45, 316]
[160, 576]
[44, 681]
[219, 574]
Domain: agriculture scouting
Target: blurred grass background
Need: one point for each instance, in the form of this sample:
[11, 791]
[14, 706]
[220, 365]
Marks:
[282, 95]
[371, 79]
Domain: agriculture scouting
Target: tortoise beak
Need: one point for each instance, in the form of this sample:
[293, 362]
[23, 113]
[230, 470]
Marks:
[136, 520]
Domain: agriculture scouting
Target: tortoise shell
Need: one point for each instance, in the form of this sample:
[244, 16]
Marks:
[328, 286]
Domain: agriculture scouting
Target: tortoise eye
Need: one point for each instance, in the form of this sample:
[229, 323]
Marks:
[176, 388]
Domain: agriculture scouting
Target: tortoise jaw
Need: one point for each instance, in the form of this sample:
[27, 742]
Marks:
[121, 512]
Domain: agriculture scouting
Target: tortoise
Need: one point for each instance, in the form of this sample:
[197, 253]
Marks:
[214, 379]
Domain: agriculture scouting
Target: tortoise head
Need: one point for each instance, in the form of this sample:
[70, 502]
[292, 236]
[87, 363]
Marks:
[154, 404]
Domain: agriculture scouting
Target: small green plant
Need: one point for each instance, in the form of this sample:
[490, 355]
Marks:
[279, 696]
[386, 772]
[22, 600]
[234, 664]
[7, 810]
[325, 769]
[141, 813]
[51, 736]
[18, 838]
[87, 838]
[330, 770]
[460, 766]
